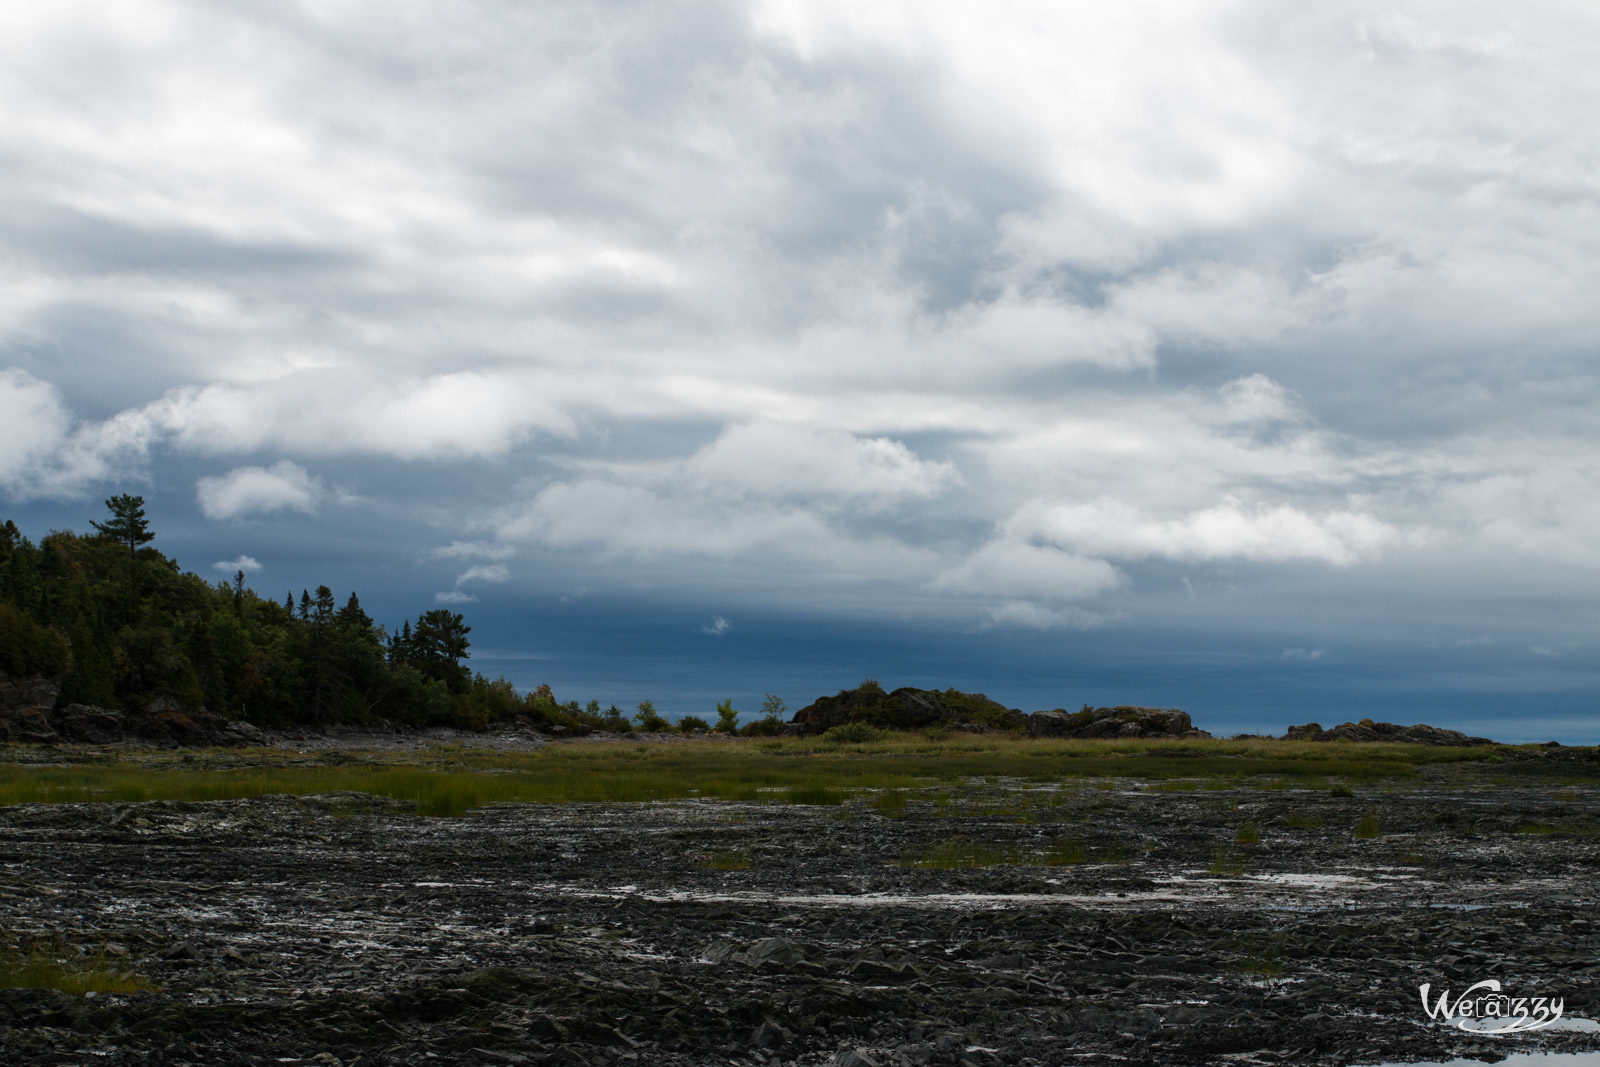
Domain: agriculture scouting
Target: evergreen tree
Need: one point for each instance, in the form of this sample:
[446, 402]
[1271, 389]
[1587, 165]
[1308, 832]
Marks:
[128, 525]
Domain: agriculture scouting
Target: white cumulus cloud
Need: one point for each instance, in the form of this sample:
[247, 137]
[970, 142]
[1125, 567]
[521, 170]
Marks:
[248, 564]
[284, 486]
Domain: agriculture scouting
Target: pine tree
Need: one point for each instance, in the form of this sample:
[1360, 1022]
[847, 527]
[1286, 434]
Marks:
[128, 525]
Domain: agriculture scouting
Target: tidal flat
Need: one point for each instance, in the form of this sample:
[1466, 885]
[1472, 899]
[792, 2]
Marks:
[960, 900]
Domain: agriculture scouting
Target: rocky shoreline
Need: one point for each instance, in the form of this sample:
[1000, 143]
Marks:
[995, 923]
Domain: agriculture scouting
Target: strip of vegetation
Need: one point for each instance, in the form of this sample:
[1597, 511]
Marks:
[449, 781]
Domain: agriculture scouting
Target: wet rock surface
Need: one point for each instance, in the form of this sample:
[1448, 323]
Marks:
[1125, 924]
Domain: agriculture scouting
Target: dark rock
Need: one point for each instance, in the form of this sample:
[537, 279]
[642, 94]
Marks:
[1367, 730]
[906, 709]
[1122, 721]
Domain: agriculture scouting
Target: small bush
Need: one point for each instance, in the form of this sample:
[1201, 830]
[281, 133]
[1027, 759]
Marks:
[852, 733]
[727, 718]
[1341, 790]
[649, 720]
[771, 726]
[693, 724]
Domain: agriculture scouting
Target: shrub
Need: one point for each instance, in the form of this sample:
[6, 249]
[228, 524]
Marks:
[771, 726]
[727, 717]
[852, 733]
[693, 724]
[649, 720]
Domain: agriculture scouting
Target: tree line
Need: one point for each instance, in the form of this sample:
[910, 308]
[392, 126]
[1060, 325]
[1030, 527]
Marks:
[122, 626]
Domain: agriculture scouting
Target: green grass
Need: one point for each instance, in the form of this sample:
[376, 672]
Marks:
[1367, 827]
[891, 803]
[1225, 863]
[60, 968]
[1248, 834]
[452, 780]
[730, 860]
[1301, 821]
[1535, 828]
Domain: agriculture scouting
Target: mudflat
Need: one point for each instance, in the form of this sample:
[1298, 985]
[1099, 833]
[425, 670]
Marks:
[1259, 919]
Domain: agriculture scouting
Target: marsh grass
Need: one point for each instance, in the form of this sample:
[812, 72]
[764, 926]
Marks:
[63, 968]
[1536, 828]
[1298, 820]
[960, 853]
[891, 803]
[728, 860]
[450, 780]
[1367, 827]
[1248, 834]
[1226, 863]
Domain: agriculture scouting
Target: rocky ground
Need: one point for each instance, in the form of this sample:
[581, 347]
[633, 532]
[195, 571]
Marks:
[1117, 924]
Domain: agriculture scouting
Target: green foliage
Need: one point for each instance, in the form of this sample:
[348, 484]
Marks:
[1367, 827]
[770, 726]
[66, 969]
[128, 525]
[122, 626]
[27, 648]
[852, 733]
[727, 718]
[693, 724]
[773, 707]
[649, 720]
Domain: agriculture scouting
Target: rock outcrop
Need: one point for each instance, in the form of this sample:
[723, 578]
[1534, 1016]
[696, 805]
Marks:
[1121, 721]
[907, 709]
[1367, 730]
[28, 715]
[916, 709]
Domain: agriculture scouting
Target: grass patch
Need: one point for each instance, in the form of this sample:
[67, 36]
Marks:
[1248, 834]
[1535, 828]
[1367, 827]
[63, 969]
[730, 860]
[891, 803]
[1064, 853]
[1299, 820]
[451, 780]
[1227, 864]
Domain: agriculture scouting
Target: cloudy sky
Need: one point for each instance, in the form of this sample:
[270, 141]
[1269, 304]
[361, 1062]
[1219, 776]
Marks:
[1239, 356]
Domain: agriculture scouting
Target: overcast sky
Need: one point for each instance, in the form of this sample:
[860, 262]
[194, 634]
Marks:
[1235, 356]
